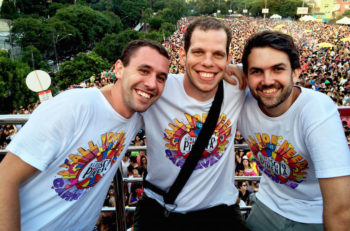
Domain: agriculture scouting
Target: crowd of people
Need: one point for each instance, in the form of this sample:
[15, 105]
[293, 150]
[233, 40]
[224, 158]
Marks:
[325, 69]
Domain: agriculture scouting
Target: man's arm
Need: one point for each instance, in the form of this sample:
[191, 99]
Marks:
[336, 203]
[13, 171]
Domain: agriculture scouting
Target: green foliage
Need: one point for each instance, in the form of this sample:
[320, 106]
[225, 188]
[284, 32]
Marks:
[114, 20]
[112, 45]
[205, 7]
[155, 23]
[65, 37]
[167, 28]
[79, 69]
[346, 13]
[178, 8]
[29, 31]
[8, 10]
[158, 5]
[4, 53]
[13, 90]
[39, 7]
[32, 56]
[285, 8]
[167, 15]
[53, 7]
[130, 12]
[92, 25]
[155, 35]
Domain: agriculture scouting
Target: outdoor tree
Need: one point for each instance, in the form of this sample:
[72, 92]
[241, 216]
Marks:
[155, 35]
[8, 10]
[130, 12]
[13, 90]
[80, 69]
[114, 20]
[146, 17]
[346, 13]
[32, 56]
[167, 29]
[30, 31]
[178, 8]
[39, 7]
[155, 23]
[205, 7]
[92, 25]
[111, 45]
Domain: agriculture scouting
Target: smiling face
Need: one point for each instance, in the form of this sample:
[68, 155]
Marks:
[205, 63]
[271, 80]
[142, 81]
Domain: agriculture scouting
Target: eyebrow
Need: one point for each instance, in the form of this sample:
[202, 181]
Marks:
[276, 65]
[150, 67]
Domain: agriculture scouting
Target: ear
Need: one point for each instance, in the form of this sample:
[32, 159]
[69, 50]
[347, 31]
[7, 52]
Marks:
[229, 58]
[182, 54]
[295, 75]
[118, 69]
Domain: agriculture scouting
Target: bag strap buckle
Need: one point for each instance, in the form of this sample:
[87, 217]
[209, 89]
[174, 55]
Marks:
[169, 208]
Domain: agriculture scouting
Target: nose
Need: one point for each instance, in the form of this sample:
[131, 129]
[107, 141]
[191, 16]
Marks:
[151, 82]
[268, 79]
[207, 60]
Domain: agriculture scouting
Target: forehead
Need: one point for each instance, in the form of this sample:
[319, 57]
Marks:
[147, 56]
[209, 39]
[266, 57]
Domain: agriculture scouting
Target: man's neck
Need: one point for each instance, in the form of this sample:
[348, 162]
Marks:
[195, 93]
[113, 94]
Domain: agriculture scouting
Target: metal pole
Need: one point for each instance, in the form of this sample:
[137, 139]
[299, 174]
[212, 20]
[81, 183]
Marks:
[54, 47]
[119, 198]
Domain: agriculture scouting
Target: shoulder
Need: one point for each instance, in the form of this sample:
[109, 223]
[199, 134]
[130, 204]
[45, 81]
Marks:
[174, 80]
[315, 104]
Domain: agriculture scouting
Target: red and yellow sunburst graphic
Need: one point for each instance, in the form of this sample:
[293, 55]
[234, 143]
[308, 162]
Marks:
[182, 136]
[85, 170]
[279, 161]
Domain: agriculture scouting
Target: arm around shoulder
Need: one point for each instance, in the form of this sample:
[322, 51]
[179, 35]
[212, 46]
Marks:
[336, 203]
[13, 171]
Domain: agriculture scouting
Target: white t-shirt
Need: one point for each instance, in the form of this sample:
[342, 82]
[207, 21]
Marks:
[172, 125]
[293, 150]
[76, 140]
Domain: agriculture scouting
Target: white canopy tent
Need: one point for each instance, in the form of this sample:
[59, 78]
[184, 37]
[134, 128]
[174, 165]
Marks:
[307, 18]
[344, 20]
[276, 16]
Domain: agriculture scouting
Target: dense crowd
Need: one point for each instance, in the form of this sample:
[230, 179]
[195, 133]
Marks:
[326, 67]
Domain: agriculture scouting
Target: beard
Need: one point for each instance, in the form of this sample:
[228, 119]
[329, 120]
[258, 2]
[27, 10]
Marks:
[273, 102]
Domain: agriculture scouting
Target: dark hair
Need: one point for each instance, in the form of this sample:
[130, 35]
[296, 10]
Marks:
[273, 39]
[134, 45]
[206, 23]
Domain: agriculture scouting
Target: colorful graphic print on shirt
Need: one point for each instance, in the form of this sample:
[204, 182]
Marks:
[278, 159]
[183, 135]
[87, 168]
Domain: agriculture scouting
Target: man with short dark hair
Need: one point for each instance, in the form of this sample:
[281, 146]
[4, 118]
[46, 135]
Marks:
[60, 165]
[208, 199]
[297, 139]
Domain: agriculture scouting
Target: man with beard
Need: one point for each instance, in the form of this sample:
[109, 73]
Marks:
[297, 139]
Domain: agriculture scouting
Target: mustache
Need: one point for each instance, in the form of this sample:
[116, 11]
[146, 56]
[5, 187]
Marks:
[263, 87]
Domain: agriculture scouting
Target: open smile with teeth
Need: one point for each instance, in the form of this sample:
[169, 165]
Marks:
[206, 75]
[269, 91]
[143, 94]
